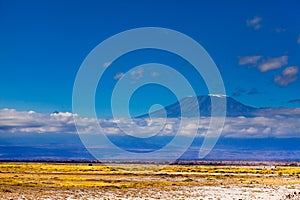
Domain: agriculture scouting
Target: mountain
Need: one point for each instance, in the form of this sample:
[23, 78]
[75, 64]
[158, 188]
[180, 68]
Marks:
[191, 108]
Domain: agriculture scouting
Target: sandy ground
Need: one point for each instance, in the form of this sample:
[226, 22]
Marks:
[185, 192]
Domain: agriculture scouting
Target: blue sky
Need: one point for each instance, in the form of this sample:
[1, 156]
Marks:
[255, 44]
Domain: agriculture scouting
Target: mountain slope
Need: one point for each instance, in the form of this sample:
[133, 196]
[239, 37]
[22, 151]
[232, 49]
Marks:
[191, 108]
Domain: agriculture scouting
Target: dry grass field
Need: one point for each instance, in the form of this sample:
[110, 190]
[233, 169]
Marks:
[141, 181]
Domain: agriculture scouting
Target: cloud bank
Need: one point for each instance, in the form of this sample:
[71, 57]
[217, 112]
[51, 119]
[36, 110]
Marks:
[268, 123]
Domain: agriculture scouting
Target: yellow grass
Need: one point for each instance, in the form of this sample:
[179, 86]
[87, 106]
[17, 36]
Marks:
[140, 176]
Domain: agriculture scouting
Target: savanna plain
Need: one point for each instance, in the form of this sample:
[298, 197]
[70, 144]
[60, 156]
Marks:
[147, 181]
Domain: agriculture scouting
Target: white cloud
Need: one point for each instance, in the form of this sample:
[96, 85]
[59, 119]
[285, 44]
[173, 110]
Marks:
[16, 121]
[290, 71]
[262, 127]
[155, 74]
[280, 30]
[288, 75]
[244, 60]
[106, 64]
[273, 63]
[118, 76]
[272, 123]
[137, 74]
[255, 23]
